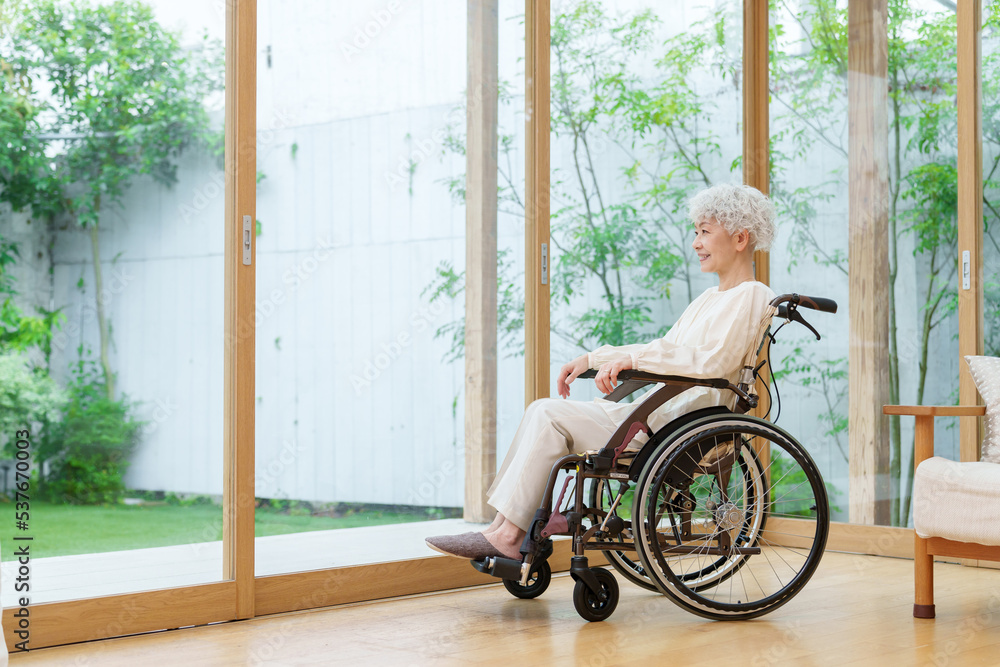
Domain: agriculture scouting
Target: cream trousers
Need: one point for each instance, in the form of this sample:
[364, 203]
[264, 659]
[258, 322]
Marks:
[550, 429]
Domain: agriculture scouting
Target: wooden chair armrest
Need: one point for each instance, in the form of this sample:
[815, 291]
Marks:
[923, 441]
[935, 410]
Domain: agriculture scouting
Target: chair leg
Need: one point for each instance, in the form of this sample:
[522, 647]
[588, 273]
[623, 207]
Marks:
[923, 579]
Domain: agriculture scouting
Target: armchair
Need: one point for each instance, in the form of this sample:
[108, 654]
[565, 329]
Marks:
[956, 505]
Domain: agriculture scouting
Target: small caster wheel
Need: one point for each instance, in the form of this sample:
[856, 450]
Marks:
[538, 581]
[593, 607]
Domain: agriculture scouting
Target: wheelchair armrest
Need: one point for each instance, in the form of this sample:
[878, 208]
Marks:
[624, 388]
[634, 379]
[642, 378]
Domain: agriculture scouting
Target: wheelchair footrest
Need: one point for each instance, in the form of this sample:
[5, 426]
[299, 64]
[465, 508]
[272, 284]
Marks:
[502, 568]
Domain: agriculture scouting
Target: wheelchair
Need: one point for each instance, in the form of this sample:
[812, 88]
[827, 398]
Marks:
[723, 512]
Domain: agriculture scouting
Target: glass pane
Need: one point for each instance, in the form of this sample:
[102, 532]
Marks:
[111, 269]
[646, 111]
[809, 126]
[809, 161]
[923, 41]
[360, 277]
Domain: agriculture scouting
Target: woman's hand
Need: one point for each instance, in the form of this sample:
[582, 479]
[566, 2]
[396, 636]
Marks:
[607, 374]
[569, 372]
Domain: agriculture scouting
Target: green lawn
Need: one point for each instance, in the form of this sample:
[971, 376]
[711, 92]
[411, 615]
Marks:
[63, 530]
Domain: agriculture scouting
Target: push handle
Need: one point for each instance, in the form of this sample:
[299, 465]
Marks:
[815, 302]
[818, 303]
[788, 305]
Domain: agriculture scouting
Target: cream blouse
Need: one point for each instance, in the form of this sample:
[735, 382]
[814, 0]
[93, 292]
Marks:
[713, 338]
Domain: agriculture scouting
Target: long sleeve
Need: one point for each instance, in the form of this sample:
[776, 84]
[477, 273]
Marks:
[606, 353]
[715, 340]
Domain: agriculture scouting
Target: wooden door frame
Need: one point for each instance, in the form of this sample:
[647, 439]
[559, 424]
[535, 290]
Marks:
[970, 215]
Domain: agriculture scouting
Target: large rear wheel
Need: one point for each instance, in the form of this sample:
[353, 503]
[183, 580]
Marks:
[732, 522]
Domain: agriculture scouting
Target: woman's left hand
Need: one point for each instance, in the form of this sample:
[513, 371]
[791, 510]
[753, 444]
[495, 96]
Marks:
[607, 374]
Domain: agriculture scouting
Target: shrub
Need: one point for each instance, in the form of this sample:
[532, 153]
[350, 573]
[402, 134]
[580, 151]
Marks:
[88, 449]
[27, 396]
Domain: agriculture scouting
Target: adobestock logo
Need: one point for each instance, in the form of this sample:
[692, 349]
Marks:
[420, 319]
[363, 35]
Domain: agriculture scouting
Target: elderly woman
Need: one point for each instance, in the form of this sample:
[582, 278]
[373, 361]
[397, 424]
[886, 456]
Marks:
[710, 339]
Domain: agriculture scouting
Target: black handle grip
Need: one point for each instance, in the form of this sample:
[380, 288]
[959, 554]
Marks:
[818, 303]
[814, 302]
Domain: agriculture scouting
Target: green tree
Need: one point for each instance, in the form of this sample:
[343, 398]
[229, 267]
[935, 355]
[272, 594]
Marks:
[629, 239]
[103, 95]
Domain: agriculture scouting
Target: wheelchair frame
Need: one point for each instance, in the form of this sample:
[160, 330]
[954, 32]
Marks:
[682, 449]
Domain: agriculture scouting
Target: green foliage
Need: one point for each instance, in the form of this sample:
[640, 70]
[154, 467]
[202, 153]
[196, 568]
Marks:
[791, 490]
[18, 331]
[809, 87]
[624, 509]
[93, 96]
[825, 379]
[27, 396]
[170, 498]
[448, 284]
[631, 246]
[87, 450]
[22, 158]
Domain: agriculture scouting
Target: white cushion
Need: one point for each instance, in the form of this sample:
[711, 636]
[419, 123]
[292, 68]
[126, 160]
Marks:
[957, 501]
[986, 374]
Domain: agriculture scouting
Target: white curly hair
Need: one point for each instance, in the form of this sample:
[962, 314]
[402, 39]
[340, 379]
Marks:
[736, 206]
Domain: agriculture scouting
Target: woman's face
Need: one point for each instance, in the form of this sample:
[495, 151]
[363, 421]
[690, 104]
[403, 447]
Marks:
[716, 248]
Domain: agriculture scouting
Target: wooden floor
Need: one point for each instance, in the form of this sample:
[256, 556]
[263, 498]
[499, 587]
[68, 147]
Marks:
[855, 611]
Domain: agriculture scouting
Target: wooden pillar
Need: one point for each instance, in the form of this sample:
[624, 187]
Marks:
[756, 132]
[868, 251]
[480, 259]
[240, 281]
[970, 215]
[756, 147]
[537, 247]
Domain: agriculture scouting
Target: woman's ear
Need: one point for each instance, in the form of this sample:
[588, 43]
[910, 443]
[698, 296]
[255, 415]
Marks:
[742, 239]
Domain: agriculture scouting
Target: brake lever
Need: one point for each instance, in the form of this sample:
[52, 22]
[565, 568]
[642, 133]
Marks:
[793, 314]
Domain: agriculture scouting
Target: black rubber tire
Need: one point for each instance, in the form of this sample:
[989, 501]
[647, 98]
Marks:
[588, 604]
[630, 568]
[538, 581]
